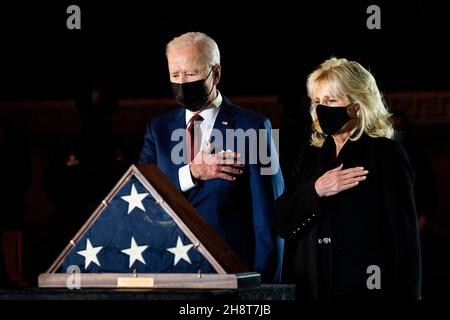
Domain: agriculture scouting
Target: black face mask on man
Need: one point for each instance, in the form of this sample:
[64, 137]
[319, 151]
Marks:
[332, 119]
[192, 95]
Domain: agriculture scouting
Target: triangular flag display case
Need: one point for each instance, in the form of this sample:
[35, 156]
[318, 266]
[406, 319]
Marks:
[145, 234]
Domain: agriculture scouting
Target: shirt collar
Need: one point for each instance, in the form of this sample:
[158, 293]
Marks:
[209, 113]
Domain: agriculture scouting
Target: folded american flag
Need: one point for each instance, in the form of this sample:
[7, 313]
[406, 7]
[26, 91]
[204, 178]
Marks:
[136, 233]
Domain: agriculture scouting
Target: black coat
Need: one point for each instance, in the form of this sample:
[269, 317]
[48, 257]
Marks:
[331, 241]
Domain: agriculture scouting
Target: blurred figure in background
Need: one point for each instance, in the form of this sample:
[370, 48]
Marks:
[433, 241]
[96, 104]
[424, 185]
[80, 173]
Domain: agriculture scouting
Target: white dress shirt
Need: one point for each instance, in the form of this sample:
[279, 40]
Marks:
[209, 116]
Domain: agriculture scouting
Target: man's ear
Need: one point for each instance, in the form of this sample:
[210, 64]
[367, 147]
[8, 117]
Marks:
[217, 72]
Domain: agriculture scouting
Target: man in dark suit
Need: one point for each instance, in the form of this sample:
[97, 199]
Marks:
[232, 190]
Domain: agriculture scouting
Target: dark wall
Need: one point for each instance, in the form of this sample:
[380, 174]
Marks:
[266, 48]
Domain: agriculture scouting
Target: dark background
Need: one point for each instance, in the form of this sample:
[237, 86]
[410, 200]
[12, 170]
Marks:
[47, 74]
[267, 48]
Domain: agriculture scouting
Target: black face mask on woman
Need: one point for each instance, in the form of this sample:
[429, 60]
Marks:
[332, 119]
[192, 95]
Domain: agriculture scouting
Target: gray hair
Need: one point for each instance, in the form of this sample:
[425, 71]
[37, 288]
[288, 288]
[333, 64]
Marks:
[208, 46]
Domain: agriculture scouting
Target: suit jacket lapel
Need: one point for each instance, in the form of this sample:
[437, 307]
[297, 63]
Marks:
[178, 122]
[225, 120]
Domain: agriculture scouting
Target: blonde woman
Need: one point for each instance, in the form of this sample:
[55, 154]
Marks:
[348, 215]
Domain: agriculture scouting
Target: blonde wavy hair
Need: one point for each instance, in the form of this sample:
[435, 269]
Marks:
[348, 79]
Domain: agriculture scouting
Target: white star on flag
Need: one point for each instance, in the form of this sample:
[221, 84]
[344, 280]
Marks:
[90, 254]
[135, 252]
[180, 251]
[135, 199]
